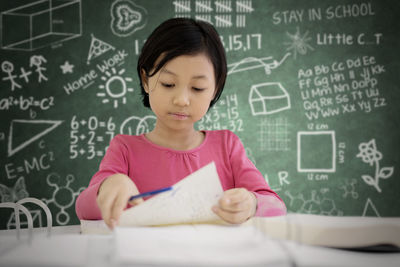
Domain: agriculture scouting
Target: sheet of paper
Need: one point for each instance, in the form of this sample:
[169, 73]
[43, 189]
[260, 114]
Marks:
[200, 244]
[189, 201]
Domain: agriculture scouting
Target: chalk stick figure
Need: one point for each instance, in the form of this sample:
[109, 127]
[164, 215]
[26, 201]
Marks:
[38, 61]
[8, 68]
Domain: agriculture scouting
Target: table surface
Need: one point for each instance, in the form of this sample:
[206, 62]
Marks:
[97, 250]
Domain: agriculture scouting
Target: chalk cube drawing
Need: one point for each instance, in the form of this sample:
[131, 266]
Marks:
[316, 151]
[40, 23]
[268, 98]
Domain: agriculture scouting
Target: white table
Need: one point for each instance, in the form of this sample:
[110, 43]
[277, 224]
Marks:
[67, 247]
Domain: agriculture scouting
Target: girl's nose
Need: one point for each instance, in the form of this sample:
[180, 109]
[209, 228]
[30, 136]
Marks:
[181, 98]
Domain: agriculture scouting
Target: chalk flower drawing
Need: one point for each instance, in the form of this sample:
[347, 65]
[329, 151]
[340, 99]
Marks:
[369, 154]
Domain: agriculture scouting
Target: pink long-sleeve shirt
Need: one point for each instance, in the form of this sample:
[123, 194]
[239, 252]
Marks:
[151, 167]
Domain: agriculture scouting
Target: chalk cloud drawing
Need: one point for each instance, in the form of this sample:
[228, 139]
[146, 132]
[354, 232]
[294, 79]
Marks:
[63, 196]
[35, 135]
[15, 193]
[127, 18]
[268, 98]
[136, 125]
[326, 143]
[97, 48]
[40, 24]
[370, 154]
[299, 44]
[115, 87]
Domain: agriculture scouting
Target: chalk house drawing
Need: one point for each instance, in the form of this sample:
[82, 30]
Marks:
[63, 196]
[40, 24]
[370, 155]
[268, 98]
[127, 18]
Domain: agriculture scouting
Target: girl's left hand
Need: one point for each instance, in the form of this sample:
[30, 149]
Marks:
[236, 206]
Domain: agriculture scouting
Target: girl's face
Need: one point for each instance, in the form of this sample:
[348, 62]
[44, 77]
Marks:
[181, 92]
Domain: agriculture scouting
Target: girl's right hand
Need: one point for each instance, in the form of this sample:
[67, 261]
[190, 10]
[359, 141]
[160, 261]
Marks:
[113, 197]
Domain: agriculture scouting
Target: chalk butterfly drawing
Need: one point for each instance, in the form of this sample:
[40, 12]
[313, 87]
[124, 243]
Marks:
[15, 193]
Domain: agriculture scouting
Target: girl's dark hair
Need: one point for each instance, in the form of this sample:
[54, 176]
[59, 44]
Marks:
[182, 36]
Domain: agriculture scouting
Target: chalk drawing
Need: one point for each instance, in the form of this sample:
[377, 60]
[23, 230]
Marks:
[268, 98]
[12, 148]
[370, 155]
[370, 209]
[67, 67]
[268, 63]
[349, 189]
[15, 193]
[318, 203]
[97, 48]
[136, 125]
[298, 43]
[326, 143]
[45, 24]
[127, 18]
[37, 61]
[274, 135]
[115, 87]
[8, 67]
[63, 196]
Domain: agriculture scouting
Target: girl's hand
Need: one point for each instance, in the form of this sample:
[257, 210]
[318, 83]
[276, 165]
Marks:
[113, 197]
[236, 206]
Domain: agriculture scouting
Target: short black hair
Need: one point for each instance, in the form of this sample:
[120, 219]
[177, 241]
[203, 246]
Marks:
[182, 36]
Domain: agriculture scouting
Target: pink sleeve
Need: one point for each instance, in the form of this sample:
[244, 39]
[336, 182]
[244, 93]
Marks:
[248, 176]
[114, 161]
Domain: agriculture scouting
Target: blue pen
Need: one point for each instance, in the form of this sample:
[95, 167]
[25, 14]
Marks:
[145, 194]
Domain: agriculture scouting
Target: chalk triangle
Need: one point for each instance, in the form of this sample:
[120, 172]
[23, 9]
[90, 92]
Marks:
[24, 132]
[370, 209]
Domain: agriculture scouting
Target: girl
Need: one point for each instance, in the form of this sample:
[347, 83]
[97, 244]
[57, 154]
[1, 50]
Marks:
[182, 70]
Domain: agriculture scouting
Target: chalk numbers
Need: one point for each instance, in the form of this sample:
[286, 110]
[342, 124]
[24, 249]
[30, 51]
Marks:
[241, 42]
[224, 115]
[88, 137]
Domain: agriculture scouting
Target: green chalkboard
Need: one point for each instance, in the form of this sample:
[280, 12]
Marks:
[312, 91]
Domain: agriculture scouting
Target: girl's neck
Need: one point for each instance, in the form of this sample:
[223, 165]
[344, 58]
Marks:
[177, 140]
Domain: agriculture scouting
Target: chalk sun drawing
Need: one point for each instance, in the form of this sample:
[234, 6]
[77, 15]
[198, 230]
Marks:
[115, 87]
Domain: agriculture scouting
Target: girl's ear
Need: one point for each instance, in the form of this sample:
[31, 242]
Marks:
[144, 79]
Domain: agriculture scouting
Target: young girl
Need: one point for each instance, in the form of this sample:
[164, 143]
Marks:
[182, 69]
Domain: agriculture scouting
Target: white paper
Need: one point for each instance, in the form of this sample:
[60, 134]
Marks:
[189, 201]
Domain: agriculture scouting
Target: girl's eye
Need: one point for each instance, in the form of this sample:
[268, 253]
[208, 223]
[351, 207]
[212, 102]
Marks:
[167, 85]
[198, 89]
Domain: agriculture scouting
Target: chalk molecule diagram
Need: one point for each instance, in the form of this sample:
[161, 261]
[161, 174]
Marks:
[63, 196]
